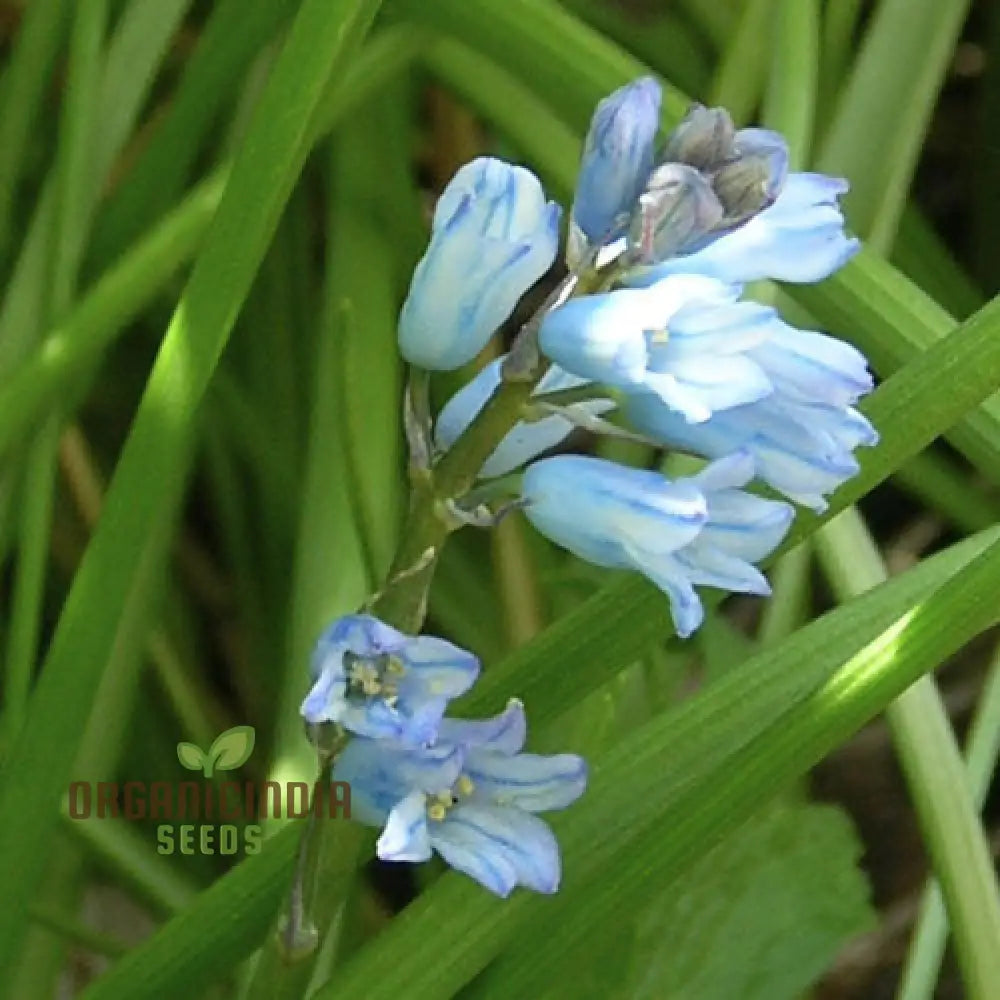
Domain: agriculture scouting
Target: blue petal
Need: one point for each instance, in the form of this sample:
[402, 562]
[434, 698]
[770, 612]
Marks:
[697, 387]
[727, 473]
[812, 367]
[405, 837]
[710, 567]
[465, 405]
[745, 526]
[770, 146]
[698, 330]
[602, 511]
[804, 452]
[381, 773]
[533, 782]
[325, 700]
[363, 635]
[672, 578]
[684, 339]
[433, 671]
[413, 718]
[504, 733]
[499, 847]
[436, 668]
[601, 337]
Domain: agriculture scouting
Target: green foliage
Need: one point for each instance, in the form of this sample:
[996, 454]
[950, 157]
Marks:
[760, 916]
[203, 246]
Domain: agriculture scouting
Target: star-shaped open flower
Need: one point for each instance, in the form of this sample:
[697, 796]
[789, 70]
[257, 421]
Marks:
[375, 681]
[471, 798]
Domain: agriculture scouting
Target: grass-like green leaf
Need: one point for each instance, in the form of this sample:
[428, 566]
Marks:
[110, 596]
[759, 917]
[21, 92]
[884, 109]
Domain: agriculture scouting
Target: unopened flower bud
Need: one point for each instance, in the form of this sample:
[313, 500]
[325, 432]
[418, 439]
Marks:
[493, 236]
[677, 208]
[754, 178]
[704, 139]
[617, 159]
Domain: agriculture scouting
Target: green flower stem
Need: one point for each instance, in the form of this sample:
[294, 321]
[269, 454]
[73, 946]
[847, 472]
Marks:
[578, 394]
[936, 774]
[923, 960]
[403, 600]
[334, 851]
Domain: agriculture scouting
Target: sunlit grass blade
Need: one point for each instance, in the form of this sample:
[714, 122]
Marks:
[927, 751]
[924, 958]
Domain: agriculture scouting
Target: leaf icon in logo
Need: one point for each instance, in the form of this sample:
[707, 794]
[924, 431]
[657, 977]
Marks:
[230, 749]
[192, 757]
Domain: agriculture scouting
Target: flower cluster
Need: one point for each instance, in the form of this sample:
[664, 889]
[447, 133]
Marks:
[460, 787]
[654, 325]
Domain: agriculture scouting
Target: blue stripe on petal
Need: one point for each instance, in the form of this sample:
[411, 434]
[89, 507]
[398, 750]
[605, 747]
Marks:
[597, 509]
[504, 733]
[710, 567]
[534, 782]
[745, 525]
[494, 235]
[671, 577]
